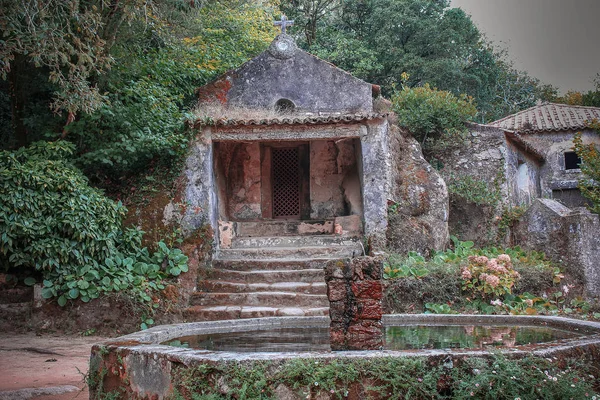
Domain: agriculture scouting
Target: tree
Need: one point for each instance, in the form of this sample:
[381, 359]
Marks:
[378, 40]
[308, 13]
[590, 167]
[63, 40]
[513, 91]
[592, 97]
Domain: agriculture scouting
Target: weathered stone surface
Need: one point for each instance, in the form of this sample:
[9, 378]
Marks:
[336, 290]
[568, 237]
[367, 290]
[369, 309]
[519, 167]
[225, 234]
[376, 178]
[265, 79]
[355, 294]
[482, 157]
[418, 220]
[553, 180]
[337, 311]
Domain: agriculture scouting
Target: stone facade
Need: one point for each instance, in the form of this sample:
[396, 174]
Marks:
[569, 238]
[520, 167]
[355, 292]
[555, 179]
[309, 83]
[345, 150]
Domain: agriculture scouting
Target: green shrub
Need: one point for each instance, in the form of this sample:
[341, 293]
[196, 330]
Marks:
[49, 217]
[54, 223]
[436, 118]
[474, 190]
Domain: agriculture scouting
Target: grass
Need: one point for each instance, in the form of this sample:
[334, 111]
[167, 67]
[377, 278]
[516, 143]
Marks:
[496, 377]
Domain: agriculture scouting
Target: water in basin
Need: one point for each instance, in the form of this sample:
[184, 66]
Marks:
[403, 337]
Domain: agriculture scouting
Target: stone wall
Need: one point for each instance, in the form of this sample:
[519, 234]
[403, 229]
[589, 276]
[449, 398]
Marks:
[418, 217]
[240, 167]
[483, 157]
[355, 293]
[522, 176]
[570, 238]
[334, 179]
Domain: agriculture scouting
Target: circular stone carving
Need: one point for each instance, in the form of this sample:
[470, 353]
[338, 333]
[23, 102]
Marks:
[283, 47]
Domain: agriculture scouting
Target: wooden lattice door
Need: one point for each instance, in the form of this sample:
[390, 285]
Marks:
[286, 182]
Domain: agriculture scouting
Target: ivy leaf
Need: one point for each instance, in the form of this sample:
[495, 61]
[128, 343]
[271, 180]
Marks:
[29, 281]
[47, 293]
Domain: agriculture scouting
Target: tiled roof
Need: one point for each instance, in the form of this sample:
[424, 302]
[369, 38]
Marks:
[549, 117]
[526, 146]
[299, 120]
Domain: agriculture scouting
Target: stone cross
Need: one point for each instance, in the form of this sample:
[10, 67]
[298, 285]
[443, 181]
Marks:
[283, 23]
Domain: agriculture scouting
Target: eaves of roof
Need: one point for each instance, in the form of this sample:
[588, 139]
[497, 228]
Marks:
[300, 120]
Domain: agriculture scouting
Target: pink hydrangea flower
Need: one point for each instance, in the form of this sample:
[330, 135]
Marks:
[492, 264]
[466, 274]
[492, 280]
[505, 258]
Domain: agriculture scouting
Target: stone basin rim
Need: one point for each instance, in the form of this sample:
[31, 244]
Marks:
[148, 341]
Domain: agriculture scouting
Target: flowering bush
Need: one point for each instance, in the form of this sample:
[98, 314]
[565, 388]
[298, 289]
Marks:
[493, 277]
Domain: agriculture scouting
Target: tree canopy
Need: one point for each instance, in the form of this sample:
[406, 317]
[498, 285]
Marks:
[378, 40]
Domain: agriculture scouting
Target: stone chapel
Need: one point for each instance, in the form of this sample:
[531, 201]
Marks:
[301, 167]
[318, 161]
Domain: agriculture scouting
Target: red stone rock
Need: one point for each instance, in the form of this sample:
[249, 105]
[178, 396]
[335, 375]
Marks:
[367, 290]
[365, 328]
[336, 290]
[369, 309]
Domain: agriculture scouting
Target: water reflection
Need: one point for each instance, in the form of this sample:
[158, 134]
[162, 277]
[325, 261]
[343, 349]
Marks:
[406, 337]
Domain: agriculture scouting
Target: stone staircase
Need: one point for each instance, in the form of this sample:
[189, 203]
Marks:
[277, 275]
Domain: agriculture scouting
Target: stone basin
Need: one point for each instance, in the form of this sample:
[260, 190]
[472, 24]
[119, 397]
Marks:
[142, 367]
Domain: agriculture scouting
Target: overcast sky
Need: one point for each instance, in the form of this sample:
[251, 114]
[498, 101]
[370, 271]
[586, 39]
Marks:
[557, 41]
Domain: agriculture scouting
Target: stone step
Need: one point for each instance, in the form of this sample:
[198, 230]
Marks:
[269, 265]
[237, 287]
[282, 228]
[293, 241]
[266, 276]
[201, 313]
[283, 253]
[261, 299]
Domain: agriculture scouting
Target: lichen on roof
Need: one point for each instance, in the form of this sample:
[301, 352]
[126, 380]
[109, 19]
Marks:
[549, 117]
[221, 115]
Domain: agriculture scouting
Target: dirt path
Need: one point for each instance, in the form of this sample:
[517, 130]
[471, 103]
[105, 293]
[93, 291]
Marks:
[48, 367]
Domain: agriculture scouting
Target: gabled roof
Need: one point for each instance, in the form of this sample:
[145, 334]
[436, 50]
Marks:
[549, 117]
[286, 73]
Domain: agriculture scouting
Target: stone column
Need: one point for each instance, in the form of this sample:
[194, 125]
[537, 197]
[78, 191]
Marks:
[355, 291]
